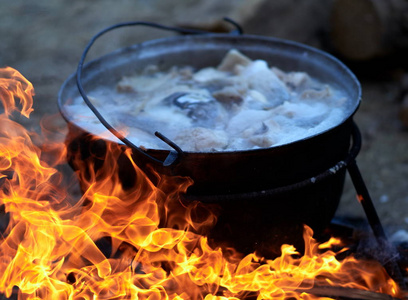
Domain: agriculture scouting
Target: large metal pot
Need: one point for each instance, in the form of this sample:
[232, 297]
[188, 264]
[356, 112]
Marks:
[240, 181]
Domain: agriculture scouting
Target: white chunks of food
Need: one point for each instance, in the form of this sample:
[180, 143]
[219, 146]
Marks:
[241, 104]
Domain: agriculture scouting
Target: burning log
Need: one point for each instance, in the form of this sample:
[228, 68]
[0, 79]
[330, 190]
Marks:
[403, 113]
[338, 292]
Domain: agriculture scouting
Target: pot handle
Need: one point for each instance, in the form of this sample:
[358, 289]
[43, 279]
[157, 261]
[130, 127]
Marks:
[174, 155]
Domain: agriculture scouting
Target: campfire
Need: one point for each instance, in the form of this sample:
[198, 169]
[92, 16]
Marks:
[139, 241]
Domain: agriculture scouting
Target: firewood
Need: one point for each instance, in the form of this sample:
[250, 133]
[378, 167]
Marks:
[403, 113]
[338, 292]
[365, 29]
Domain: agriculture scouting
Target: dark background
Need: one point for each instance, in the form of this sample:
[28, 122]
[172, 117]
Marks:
[44, 40]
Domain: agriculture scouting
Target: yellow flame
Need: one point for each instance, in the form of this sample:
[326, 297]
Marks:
[155, 247]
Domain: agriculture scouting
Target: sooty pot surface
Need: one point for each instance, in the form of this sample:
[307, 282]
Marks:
[249, 174]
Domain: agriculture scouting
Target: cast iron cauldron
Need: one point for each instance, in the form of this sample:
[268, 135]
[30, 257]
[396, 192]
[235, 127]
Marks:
[240, 181]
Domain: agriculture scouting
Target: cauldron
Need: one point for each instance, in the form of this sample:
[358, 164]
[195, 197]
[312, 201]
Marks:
[244, 182]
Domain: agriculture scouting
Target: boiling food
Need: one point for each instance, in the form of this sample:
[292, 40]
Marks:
[240, 104]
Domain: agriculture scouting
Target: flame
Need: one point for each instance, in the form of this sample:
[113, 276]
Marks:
[137, 241]
[13, 85]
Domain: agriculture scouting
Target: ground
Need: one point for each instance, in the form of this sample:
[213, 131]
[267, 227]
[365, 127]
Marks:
[44, 40]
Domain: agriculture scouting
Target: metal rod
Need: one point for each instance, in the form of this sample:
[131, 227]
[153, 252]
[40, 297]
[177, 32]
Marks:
[363, 196]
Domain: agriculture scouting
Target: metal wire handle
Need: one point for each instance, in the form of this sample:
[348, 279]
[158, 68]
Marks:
[174, 155]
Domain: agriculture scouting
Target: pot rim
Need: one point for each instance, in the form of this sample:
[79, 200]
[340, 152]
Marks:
[233, 39]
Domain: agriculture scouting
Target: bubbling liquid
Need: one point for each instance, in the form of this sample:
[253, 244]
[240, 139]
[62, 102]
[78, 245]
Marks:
[240, 104]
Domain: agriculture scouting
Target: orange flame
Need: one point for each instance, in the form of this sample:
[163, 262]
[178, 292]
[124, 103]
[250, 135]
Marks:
[13, 85]
[134, 242]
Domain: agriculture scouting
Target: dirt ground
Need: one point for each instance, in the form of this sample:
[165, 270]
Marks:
[44, 40]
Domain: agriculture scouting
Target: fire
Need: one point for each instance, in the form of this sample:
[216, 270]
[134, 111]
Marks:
[134, 242]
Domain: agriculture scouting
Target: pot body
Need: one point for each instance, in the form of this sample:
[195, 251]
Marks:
[239, 172]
